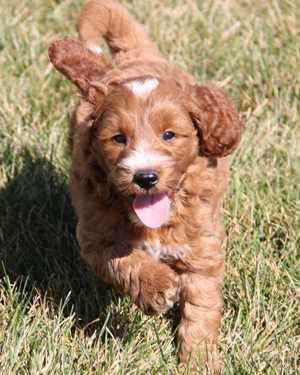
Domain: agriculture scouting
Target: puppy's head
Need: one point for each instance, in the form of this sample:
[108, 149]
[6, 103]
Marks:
[146, 131]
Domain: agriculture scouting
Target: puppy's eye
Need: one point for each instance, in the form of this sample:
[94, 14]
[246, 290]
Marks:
[120, 138]
[168, 135]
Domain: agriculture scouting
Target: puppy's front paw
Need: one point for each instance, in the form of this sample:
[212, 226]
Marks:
[159, 289]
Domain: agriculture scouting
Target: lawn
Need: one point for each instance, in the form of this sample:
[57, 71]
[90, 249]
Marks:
[55, 317]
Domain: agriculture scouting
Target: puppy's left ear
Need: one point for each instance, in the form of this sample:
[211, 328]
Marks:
[218, 124]
[81, 66]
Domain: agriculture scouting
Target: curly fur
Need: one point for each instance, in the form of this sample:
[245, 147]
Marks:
[183, 259]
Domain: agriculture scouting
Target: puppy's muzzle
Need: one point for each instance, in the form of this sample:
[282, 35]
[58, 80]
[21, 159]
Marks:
[145, 179]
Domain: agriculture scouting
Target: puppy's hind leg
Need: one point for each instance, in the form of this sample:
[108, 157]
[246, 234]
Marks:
[198, 331]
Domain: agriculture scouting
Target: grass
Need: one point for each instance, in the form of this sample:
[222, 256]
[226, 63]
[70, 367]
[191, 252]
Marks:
[55, 317]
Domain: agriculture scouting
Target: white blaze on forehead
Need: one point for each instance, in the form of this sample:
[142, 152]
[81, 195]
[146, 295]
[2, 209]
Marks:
[142, 157]
[142, 88]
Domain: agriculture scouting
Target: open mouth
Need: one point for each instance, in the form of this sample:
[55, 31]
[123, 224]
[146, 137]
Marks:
[152, 209]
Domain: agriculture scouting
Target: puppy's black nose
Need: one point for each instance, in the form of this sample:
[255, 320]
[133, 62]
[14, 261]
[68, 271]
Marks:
[145, 179]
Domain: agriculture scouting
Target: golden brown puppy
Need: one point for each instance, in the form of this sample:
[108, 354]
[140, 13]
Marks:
[149, 170]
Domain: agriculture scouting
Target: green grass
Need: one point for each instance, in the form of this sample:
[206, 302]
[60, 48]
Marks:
[55, 317]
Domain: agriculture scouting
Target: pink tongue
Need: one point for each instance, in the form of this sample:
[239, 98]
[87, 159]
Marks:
[152, 209]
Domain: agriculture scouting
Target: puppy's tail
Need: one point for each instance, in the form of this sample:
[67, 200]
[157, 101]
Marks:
[110, 20]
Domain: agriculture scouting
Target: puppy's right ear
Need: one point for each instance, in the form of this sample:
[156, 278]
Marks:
[216, 119]
[81, 66]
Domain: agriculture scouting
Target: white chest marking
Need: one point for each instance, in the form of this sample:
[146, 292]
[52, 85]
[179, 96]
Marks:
[142, 88]
[96, 49]
[166, 252]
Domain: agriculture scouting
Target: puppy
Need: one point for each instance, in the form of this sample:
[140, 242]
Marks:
[149, 169]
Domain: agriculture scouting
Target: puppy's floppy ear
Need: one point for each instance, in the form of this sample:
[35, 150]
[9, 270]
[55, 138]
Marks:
[81, 66]
[218, 124]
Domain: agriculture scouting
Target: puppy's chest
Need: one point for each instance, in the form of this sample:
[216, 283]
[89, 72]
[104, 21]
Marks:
[165, 252]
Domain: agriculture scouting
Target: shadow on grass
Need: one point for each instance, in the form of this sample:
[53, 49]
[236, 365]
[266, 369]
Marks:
[37, 243]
